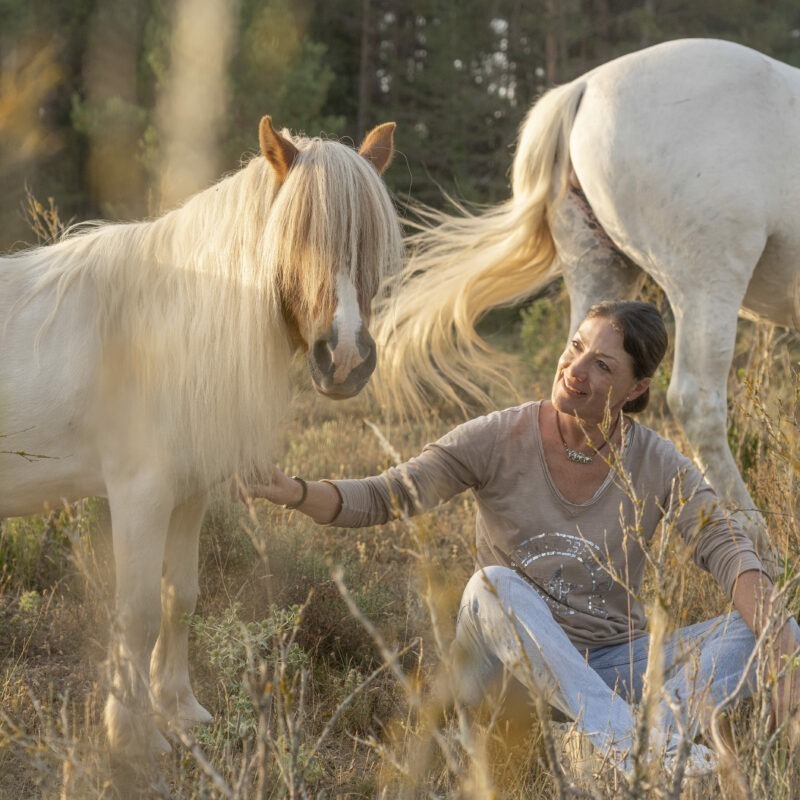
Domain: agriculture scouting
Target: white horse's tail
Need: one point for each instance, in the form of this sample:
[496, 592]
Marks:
[465, 264]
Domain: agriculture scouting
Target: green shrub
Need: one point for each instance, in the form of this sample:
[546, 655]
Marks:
[232, 647]
[34, 552]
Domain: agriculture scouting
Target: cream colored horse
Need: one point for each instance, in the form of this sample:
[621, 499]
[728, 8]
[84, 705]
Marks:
[681, 161]
[147, 362]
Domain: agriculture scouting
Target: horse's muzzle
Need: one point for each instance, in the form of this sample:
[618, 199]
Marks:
[339, 371]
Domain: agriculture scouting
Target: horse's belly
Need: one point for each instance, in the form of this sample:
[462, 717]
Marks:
[31, 485]
[773, 293]
[47, 454]
[48, 451]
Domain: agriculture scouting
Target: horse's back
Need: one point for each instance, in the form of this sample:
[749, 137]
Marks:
[691, 80]
[659, 115]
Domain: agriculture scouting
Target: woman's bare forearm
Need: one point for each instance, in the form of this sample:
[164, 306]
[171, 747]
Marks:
[319, 500]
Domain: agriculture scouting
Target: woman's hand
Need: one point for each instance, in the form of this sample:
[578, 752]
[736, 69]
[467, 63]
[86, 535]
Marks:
[317, 499]
[786, 696]
[754, 598]
[279, 489]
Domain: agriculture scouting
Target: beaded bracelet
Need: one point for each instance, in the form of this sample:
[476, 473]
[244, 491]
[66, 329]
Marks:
[304, 487]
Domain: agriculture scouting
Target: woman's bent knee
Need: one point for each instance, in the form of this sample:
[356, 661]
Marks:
[493, 581]
[495, 597]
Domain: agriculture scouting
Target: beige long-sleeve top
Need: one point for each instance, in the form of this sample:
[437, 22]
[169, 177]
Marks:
[581, 557]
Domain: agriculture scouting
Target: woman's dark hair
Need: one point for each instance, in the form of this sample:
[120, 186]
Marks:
[644, 339]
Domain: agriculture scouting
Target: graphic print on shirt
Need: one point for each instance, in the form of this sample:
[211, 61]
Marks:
[570, 572]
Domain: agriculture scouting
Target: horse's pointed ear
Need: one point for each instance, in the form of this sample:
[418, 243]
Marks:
[378, 146]
[277, 149]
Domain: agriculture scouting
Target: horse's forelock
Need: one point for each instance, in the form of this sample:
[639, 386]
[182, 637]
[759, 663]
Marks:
[334, 215]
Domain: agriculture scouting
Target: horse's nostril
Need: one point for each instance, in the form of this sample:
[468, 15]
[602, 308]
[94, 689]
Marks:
[366, 345]
[323, 355]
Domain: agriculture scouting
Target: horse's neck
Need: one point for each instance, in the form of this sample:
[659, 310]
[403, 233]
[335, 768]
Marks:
[217, 229]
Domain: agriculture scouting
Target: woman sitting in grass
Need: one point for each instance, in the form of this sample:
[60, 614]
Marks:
[569, 492]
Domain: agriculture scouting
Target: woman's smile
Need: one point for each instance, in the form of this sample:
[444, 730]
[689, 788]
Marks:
[571, 389]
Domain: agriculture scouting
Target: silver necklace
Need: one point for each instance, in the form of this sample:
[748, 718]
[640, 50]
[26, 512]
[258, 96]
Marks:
[575, 455]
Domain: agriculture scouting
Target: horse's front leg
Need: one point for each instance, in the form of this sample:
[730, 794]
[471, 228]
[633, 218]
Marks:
[169, 668]
[141, 507]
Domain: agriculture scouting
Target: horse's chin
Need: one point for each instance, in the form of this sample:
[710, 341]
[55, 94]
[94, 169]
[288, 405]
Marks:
[325, 385]
[337, 392]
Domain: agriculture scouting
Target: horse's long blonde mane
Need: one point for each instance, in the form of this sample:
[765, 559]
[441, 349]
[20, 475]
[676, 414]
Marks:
[464, 264]
[188, 307]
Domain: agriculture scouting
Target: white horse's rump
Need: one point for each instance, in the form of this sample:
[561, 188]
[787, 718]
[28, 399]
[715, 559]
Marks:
[149, 361]
[689, 156]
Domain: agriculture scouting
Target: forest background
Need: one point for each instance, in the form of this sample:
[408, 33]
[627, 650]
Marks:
[84, 119]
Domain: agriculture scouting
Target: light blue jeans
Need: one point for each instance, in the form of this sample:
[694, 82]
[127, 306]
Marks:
[504, 624]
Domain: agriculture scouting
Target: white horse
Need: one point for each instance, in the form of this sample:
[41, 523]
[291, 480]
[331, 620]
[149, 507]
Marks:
[147, 362]
[681, 161]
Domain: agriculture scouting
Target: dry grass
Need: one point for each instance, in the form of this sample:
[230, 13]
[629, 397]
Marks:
[316, 648]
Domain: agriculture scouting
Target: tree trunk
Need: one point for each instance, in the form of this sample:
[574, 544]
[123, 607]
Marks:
[552, 42]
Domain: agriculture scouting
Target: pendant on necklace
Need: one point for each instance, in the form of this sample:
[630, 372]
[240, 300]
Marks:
[576, 456]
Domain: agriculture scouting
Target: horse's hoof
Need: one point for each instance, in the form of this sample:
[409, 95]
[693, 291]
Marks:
[184, 714]
[192, 713]
[133, 736]
[158, 744]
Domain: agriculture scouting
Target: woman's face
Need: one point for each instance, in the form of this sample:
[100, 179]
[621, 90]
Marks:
[594, 372]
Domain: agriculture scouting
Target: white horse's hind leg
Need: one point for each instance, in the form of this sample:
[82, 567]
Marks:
[594, 269]
[705, 338]
[169, 668]
[140, 515]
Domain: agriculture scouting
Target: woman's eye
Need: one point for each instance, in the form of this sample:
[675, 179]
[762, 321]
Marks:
[603, 365]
